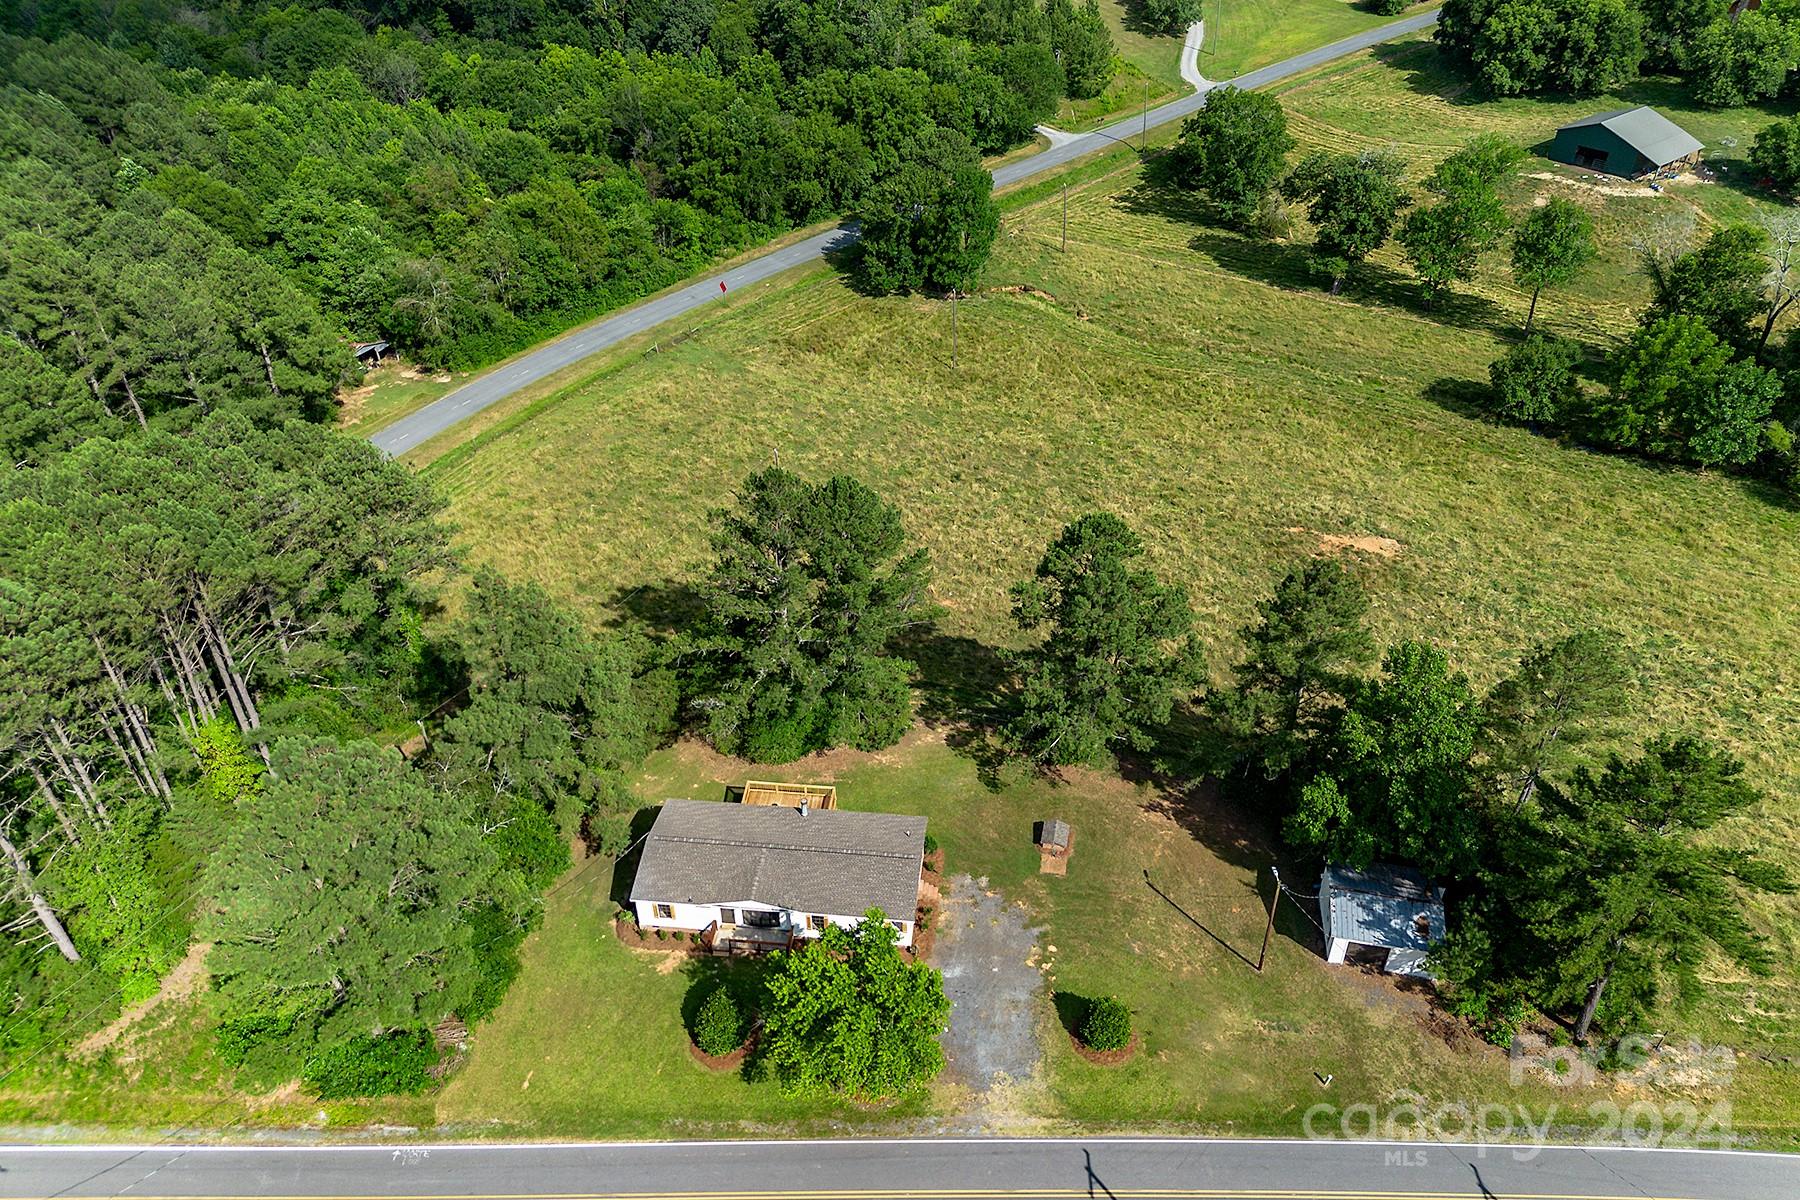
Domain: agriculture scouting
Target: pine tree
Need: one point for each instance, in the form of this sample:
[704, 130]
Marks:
[1638, 894]
[1118, 649]
[339, 895]
[1304, 656]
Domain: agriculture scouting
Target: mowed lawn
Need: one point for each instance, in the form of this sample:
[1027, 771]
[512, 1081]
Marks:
[1203, 387]
[590, 1039]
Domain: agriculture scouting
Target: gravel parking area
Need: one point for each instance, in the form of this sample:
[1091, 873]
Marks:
[985, 947]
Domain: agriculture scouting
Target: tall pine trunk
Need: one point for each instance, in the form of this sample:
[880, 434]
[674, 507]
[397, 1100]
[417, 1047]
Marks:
[39, 906]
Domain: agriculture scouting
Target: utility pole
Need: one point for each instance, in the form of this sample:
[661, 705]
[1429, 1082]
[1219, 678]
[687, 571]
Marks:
[1269, 929]
[1144, 138]
[1065, 248]
[963, 242]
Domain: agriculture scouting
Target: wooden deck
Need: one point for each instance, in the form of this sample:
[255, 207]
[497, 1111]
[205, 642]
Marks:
[815, 795]
[727, 940]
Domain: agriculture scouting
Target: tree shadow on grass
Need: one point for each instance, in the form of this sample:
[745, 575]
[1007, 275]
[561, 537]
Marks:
[1071, 1010]
[1425, 71]
[1158, 194]
[666, 606]
[1472, 398]
[963, 688]
[1289, 265]
[740, 977]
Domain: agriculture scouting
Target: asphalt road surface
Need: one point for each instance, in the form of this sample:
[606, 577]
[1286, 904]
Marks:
[489, 389]
[917, 1169]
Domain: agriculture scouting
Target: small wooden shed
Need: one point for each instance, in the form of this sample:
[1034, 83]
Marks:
[1053, 837]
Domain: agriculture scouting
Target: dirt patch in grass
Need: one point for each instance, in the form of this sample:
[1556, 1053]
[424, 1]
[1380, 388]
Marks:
[187, 978]
[1337, 543]
[826, 766]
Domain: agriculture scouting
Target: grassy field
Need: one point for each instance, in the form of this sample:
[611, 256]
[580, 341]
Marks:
[1241, 35]
[1203, 387]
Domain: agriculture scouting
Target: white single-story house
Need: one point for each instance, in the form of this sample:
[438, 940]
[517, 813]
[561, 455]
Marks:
[752, 877]
[1392, 913]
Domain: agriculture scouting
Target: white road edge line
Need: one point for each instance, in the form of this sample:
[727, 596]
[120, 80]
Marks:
[864, 1143]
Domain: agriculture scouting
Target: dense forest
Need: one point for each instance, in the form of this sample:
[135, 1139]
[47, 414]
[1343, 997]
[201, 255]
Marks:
[1728, 51]
[461, 180]
[220, 621]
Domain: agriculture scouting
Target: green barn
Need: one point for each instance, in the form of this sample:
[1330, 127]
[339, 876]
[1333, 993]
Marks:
[1629, 142]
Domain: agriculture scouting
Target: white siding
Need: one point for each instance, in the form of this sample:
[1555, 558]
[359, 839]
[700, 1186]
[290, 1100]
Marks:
[695, 917]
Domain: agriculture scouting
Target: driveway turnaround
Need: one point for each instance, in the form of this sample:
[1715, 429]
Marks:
[905, 1169]
[486, 390]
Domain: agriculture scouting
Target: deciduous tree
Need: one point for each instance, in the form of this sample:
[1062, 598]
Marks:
[1353, 201]
[1394, 779]
[809, 586]
[1534, 382]
[846, 1013]
[1551, 245]
[931, 223]
[1679, 394]
[1235, 150]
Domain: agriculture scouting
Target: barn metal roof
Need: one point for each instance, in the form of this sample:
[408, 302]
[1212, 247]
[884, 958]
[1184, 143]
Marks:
[825, 861]
[1382, 906]
[1645, 130]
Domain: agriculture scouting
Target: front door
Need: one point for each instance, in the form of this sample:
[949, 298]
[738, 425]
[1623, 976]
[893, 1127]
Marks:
[728, 916]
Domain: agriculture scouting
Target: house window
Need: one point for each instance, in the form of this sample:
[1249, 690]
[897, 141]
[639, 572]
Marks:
[817, 922]
[899, 926]
[728, 916]
[665, 912]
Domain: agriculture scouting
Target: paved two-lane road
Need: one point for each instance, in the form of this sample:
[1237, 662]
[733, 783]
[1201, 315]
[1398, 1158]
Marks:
[903, 1169]
[486, 390]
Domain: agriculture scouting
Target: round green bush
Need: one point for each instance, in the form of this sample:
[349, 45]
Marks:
[1107, 1025]
[719, 1029]
[1534, 382]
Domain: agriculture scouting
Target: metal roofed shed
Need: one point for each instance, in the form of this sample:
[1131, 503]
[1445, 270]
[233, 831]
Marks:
[1383, 908]
[710, 865]
[1055, 843]
[1628, 142]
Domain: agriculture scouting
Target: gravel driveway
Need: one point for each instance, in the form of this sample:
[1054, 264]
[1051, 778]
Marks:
[984, 948]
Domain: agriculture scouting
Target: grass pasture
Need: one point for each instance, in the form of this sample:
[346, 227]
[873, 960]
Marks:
[1203, 387]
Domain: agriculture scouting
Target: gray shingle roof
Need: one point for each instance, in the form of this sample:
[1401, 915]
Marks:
[1382, 906]
[825, 861]
[1053, 833]
[1645, 130]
